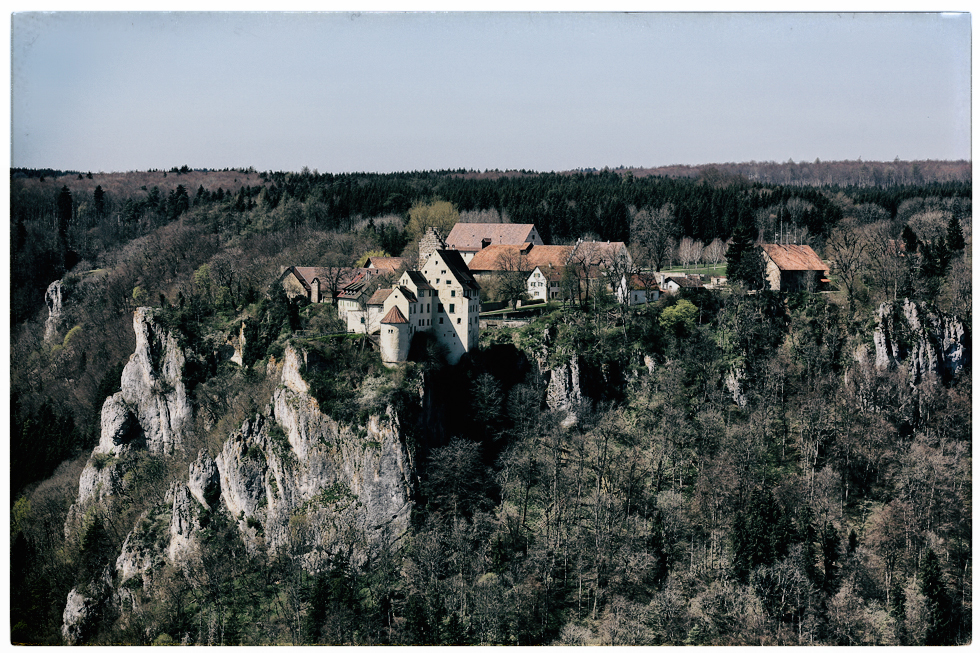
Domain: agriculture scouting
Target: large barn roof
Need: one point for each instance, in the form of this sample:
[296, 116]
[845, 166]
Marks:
[470, 235]
[494, 257]
[794, 257]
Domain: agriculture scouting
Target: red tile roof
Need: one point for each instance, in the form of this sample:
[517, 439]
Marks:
[379, 296]
[494, 257]
[644, 281]
[794, 257]
[470, 235]
[343, 276]
[394, 316]
[388, 263]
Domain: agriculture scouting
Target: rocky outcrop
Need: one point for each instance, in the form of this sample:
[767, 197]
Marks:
[85, 607]
[151, 412]
[52, 297]
[348, 484]
[183, 525]
[564, 392]
[734, 381]
[203, 480]
[564, 380]
[288, 472]
[926, 342]
[153, 385]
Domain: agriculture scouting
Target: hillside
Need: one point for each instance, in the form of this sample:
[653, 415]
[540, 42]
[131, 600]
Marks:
[194, 461]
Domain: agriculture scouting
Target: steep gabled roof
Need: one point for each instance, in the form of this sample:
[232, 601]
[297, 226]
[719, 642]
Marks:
[470, 235]
[359, 284]
[419, 280]
[549, 273]
[327, 275]
[684, 282]
[379, 296]
[394, 316]
[387, 263]
[457, 267]
[644, 281]
[794, 257]
[409, 295]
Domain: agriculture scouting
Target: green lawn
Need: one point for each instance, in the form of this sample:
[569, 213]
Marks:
[710, 270]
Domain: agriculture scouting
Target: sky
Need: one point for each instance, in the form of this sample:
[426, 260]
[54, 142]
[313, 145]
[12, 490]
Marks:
[382, 92]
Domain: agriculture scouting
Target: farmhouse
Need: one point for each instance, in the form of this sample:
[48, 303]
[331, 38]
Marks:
[640, 288]
[321, 284]
[468, 238]
[794, 267]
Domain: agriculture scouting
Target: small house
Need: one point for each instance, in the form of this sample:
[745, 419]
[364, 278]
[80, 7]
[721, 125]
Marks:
[794, 267]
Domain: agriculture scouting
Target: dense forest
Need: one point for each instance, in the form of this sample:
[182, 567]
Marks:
[737, 467]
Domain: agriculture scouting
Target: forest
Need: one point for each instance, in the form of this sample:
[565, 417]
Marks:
[736, 467]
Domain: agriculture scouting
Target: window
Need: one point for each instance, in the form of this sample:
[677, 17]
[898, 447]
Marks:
[440, 307]
[454, 293]
[362, 320]
[459, 320]
[452, 308]
[440, 320]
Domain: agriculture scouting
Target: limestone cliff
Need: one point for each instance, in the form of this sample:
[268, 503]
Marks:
[287, 472]
[151, 412]
[52, 298]
[348, 483]
[927, 342]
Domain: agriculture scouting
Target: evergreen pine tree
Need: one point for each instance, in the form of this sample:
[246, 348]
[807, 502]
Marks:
[98, 198]
[954, 235]
[745, 265]
[64, 216]
[938, 603]
[911, 240]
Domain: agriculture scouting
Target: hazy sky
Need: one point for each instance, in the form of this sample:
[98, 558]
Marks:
[543, 91]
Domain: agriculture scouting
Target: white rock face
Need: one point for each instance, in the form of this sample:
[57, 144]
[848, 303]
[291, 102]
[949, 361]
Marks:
[926, 342]
[564, 391]
[291, 377]
[76, 616]
[733, 382]
[342, 481]
[183, 526]
[85, 607]
[203, 480]
[52, 297]
[153, 386]
[151, 412]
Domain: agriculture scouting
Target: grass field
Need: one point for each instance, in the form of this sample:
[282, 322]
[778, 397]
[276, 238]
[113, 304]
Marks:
[710, 270]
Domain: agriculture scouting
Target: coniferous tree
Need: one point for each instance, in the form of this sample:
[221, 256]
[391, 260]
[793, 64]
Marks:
[954, 235]
[911, 240]
[745, 265]
[64, 217]
[98, 198]
[938, 602]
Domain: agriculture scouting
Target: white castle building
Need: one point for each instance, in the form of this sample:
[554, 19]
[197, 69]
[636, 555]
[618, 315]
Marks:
[441, 298]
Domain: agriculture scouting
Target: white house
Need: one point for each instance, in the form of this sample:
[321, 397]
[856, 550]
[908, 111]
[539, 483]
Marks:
[640, 288]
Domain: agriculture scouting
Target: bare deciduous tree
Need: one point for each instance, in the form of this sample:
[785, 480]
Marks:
[652, 235]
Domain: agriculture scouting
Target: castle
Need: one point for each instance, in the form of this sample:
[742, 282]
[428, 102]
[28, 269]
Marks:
[441, 298]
